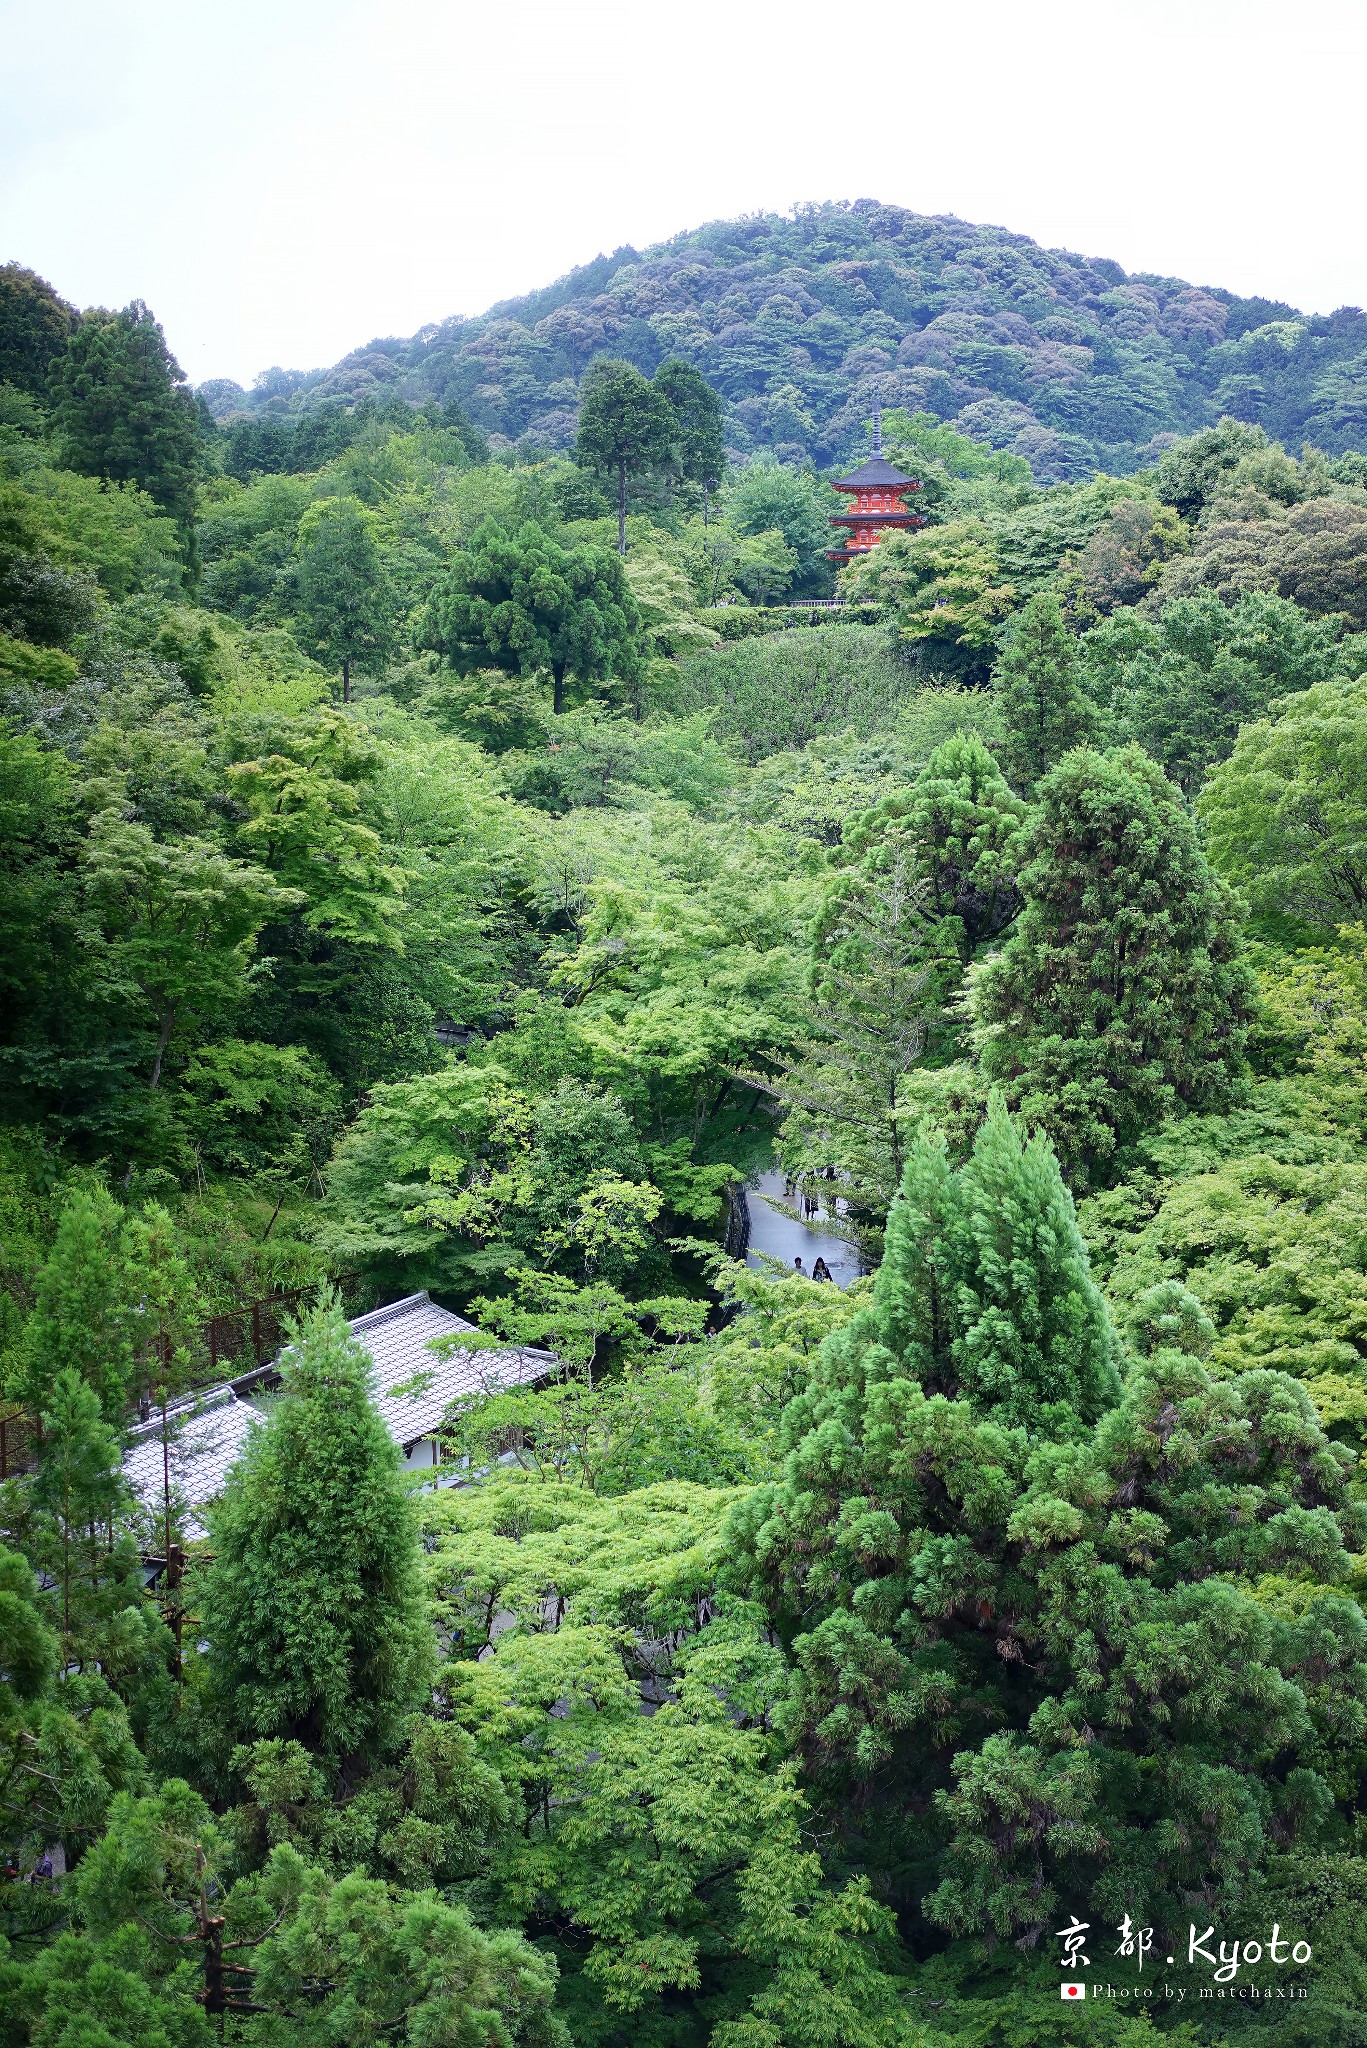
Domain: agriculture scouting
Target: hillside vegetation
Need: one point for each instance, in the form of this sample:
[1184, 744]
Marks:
[437, 861]
[1066, 360]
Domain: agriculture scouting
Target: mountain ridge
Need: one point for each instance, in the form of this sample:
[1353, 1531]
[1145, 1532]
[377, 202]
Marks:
[1069, 360]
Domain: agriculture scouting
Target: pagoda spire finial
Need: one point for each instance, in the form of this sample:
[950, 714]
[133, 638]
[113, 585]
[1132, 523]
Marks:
[877, 419]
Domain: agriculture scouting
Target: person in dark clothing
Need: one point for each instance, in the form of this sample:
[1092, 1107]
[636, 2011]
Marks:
[821, 1271]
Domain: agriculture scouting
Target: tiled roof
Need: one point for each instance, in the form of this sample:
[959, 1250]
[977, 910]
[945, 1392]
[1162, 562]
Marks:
[414, 1387]
[874, 473]
[411, 1386]
[207, 1435]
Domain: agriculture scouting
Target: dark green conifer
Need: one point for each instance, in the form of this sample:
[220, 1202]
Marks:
[35, 326]
[312, 1609]
[1044, 709]
[1120, 998]
[123, 411]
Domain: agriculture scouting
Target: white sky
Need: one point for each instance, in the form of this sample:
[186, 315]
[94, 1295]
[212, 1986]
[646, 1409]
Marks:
[282, 180]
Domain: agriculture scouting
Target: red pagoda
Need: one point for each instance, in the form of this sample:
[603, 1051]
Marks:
[876, 492]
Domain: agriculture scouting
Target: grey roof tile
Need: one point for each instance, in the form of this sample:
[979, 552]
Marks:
[412, 1388]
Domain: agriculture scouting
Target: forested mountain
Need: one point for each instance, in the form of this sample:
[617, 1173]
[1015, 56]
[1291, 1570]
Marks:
[434, 864]
[1067, 360]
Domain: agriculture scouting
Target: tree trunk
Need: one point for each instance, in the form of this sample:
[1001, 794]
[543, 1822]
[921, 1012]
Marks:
[706, 502]
[168, 1025]
[621, 508]
[557, 687]
[346, 679]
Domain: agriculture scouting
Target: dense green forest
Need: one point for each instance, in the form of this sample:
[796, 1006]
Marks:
[1065, 360]
[439, 852]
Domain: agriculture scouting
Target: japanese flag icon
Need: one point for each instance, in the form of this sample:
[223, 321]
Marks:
[1078, 1991]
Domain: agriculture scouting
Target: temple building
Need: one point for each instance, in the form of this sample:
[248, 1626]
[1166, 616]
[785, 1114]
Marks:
[876, 492]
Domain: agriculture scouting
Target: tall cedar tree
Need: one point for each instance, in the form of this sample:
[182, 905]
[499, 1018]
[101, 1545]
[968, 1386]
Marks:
[83, 1317]
[1044, 709]
[699, 447]
[123, 411]
[79, 1536]
[1028, 1674]
[626, 428]
[346, 604]
[311, 1609]
[985, 1292]
[967, 827]
[1120, 998]
[522, 603]
[35, 326]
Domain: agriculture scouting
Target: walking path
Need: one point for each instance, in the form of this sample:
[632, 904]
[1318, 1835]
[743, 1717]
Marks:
[776, 1228]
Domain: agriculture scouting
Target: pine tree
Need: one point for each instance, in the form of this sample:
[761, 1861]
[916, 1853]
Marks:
[699, 451]
[967, 826]
[1044, 709]
[1030, 1673]
[311, 1608]
[626, 427]
[77, 1534]
[83, 1316]
[1120, 998]
[347, 606]
[1032, 1327]
[123, 411]
[985, 1291]
[35, 326]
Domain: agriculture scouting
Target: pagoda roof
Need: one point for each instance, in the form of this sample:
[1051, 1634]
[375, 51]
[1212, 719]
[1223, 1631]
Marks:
[875, 473]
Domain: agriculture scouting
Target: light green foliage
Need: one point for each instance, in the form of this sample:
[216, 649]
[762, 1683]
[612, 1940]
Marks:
[942, 588]
[957, 474]
[169, 1947]
[264, 1112]
[309, 820]
[1045, 711]
[176, 926]
[792, 1660]
[785, 690]
[83, 1317]
[1285, 814]
[768, 497]
[114, 535]
[310, 1609]
[1120, 998]
[650, 1421]
[762, 1359]
[1184, 684]
[671, 1845]
[877, 976]
[665, 601]
[598, 758]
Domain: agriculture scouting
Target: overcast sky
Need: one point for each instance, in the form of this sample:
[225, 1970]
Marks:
[281, 180]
